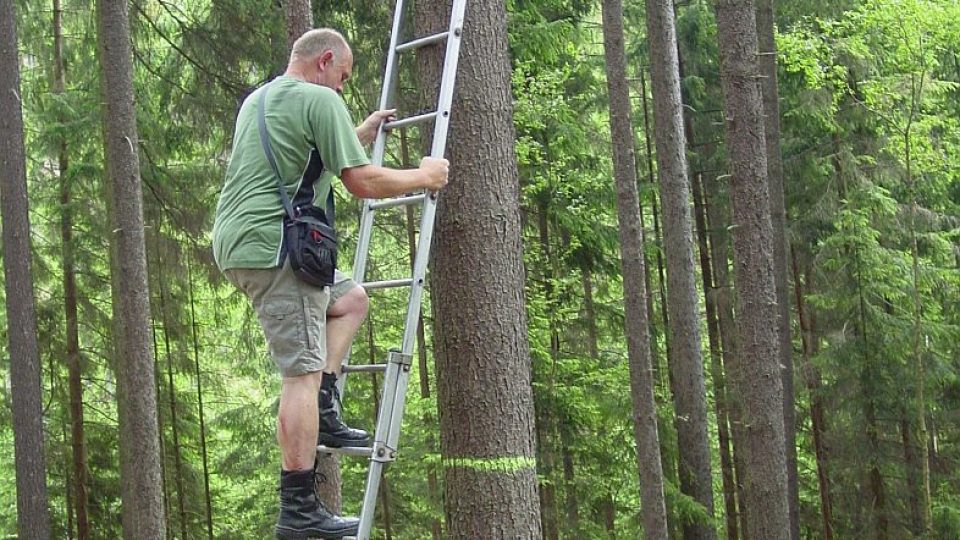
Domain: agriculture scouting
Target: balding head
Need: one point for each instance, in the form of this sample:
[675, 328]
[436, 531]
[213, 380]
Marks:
[323, 57]
[315, 42]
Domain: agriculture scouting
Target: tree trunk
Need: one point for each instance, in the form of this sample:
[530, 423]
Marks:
[686, 362]
[544, 415]
[868, 379]
[482, 352]
[33, 520]
[716, 363]
[171, 392]
[812, 378]
[719, 244]
[911, 465]
[778, 220]
[297, 17]
[143, 516]
[203, 426]
[631, 252]
[759, 380]
[74, 366]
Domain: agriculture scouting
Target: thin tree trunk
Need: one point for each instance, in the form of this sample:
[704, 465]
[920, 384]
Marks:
[758, 381]
[719, 244]
[74, 366]
[141, 481]
[33, 519]
[778, 219]
[203, 427]
[171, 392]
[297, 17]
[384, 508]
[482, 353]
[813, 381]
[662, 377]
[926, 519]
[544, 416]
[912, 467]
[572, 519]
[716, 364]
[686, 362]
[653, 508]
[651, 180]
[875, 484]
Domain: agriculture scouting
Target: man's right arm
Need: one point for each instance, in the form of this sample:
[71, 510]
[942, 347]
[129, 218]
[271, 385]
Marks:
[374, 182]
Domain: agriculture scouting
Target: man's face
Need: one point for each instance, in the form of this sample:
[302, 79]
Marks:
[333, 69]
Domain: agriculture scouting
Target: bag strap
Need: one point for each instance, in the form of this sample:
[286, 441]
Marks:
[268, 150]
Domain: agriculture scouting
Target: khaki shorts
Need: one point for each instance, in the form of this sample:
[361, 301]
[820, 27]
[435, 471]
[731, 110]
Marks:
[293, 314]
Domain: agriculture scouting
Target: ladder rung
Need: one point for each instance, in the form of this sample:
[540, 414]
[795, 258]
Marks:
[410, 120]
[364, 368]
[358, 451]
[421, 42]
[397, 201]
[390, 283]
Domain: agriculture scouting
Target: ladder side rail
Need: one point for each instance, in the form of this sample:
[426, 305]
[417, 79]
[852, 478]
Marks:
[391, 74]
[384, 419]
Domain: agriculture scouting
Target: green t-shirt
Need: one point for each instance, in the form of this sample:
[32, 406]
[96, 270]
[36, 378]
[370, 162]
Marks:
[247, 231]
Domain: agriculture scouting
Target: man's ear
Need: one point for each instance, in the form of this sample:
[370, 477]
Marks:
[324, 59]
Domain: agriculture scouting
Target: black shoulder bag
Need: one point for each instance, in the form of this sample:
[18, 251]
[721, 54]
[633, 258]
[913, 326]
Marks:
[309, 236]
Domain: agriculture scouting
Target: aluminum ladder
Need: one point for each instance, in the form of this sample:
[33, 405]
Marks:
[396, 370]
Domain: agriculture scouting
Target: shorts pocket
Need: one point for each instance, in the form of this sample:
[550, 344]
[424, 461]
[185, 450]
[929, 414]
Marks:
[284, 327]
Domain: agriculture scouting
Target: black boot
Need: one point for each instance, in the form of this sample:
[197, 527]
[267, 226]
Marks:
[303, 516]
[333, 432]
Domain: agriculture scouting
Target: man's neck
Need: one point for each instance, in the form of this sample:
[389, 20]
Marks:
[296, 72]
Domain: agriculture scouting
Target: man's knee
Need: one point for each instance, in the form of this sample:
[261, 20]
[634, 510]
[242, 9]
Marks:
[354, 303]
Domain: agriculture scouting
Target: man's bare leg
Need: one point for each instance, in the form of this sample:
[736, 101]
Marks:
[297, 421]
[343, 321]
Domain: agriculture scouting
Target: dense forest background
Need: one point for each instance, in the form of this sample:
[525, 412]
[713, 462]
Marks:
[869, 109]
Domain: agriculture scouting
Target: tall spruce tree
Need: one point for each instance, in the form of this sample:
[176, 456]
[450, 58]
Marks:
[631, 254]
[758, 379]
[33, 518]
[140, 476]
[766, 15]
[686, 362]
[483, 358]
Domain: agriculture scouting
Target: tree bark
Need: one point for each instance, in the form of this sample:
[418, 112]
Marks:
[481, 347]
[297, 17]
[171, 391]
[719, 243]
[653, 509]
[203, 426]
[813, 382]
[143, 515]
[759, 380]
[686, 362]
[778, 219]
[546, 457]
[74, 366]
[716, 364]
[33, 520]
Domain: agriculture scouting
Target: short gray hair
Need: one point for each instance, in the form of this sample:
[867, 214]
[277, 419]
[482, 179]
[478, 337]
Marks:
[315, 42]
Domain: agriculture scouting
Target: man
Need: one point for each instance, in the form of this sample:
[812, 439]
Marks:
[308, 329]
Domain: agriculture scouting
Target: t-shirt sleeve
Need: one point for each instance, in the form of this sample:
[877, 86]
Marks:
[332, 128]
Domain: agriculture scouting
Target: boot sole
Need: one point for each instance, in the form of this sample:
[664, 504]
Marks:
[334, 442]
[284, 533]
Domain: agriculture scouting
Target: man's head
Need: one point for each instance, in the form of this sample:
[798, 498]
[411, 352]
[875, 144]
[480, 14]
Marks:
[323, 57]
